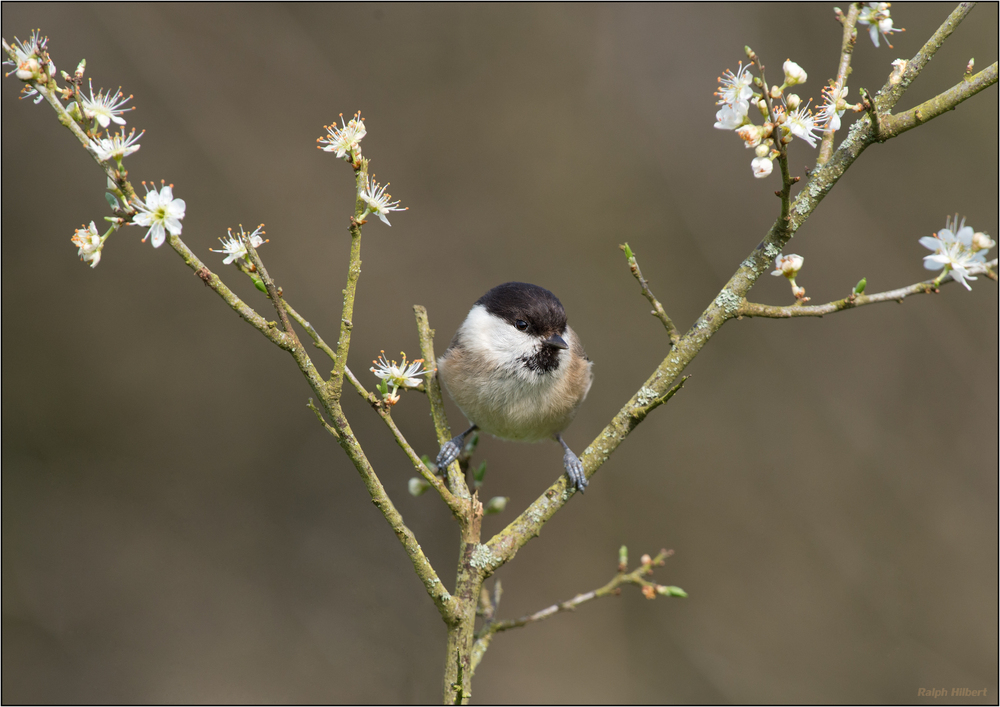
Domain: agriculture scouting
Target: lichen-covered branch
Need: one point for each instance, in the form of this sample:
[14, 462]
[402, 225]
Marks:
[752, 309]
[658, 310]
[893, 125]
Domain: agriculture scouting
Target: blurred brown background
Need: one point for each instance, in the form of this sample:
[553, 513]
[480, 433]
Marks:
[177, 527]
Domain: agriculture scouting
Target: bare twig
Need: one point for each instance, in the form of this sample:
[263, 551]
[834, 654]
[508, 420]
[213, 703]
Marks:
[314, 335]
[353, 274]
[752, 309]
[658, 310]
[456, 479]
[636, 577]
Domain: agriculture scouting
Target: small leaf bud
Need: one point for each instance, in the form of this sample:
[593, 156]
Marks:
[495, 505]
[859, 289]
[479, 474]
[417, 486]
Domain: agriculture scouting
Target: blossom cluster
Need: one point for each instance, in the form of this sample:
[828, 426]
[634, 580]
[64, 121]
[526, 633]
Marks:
[94, 113]
[345, 142]
[786, 116]
[782, 121]
[957, 249]
[31, 63]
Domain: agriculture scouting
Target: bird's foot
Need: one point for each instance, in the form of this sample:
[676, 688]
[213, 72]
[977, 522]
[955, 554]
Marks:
[449, 452]
[574, 470]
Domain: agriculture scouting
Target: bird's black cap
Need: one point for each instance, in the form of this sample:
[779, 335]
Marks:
[535, 305]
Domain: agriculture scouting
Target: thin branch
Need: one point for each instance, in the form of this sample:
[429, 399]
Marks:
[456, 479]
[636, 577]
[658, 310]
[847, 43]
[752, 309]
[457, 507]
[383, 411]
[273, 291]
[893, 125]
[265, 327]
[353, 274]
[894, 89]
[446, 604]
[317, 339]
[325, 348]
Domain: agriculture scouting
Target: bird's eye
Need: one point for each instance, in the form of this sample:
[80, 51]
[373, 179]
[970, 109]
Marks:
[521, 324]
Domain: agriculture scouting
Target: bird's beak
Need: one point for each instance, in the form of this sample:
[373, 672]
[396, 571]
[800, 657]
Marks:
[556, 342]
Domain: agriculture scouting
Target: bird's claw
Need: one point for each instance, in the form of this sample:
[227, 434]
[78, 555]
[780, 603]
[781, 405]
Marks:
[574, 470]
[449, 452]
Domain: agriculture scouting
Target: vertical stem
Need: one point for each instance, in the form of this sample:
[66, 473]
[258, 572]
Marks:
[353, 274]
[475, 563]
[461, 634]
[843, 70]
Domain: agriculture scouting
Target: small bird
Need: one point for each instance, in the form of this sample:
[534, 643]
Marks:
[517, 371]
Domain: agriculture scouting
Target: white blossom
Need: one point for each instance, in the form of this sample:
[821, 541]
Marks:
[833, 108]
[750, 134]
[954, 251]
[728, 118]
[982, 241]
[876, 16]
[788, 265]
[161, 212]
[802, 124]
[33, 62]
[90, 244]
[105, 108]
[735, 89]
[343, 141]
[794, 74]
[761, 166]
[398, 376]
[117, 147]
[377, 201]
[233, 246]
